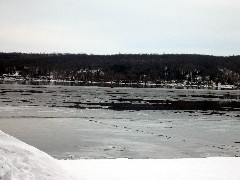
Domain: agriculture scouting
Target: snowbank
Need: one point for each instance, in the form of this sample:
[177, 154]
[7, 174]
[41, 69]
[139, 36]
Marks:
[21, 161]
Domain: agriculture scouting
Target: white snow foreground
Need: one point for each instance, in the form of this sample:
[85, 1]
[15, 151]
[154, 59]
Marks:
[21, 161]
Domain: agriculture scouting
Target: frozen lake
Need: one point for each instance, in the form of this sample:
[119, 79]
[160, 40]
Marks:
[91, 122]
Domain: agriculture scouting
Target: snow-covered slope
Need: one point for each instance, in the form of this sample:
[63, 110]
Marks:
[21, 161]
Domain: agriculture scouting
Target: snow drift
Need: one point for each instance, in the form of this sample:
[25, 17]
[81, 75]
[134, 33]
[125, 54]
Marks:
[21, 161]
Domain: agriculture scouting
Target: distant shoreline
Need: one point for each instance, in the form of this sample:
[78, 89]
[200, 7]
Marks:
[167, 85]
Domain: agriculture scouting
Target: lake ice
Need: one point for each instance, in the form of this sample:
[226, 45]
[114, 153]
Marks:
[40, 116]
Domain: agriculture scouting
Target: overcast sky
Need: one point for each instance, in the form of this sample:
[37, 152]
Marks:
[120, 26]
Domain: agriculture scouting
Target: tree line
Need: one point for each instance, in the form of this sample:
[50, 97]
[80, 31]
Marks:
[135, 67]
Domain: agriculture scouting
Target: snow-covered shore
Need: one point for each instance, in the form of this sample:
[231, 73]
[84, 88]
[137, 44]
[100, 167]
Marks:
[21, 161]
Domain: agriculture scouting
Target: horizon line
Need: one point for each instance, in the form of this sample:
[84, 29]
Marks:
[112, 54]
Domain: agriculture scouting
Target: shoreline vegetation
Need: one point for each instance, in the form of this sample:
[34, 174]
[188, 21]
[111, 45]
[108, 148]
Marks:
[180, 71]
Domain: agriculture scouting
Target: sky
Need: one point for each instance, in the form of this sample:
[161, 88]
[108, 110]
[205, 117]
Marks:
[120, 26]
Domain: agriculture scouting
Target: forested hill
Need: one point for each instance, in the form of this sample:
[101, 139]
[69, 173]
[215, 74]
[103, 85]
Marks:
[153, 65]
